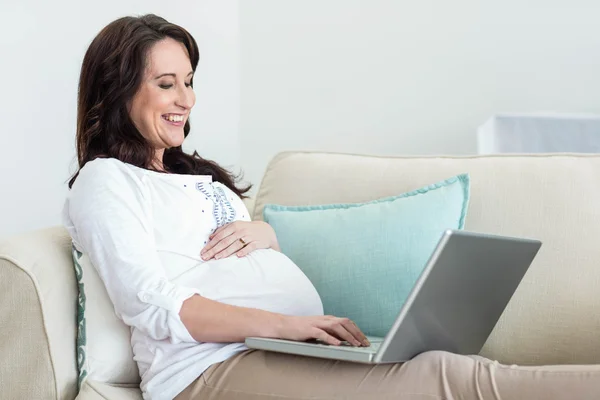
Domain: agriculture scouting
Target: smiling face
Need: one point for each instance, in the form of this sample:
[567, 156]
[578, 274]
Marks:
[162, 104]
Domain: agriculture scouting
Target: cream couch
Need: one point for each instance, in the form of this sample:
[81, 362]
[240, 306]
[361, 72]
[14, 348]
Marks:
[554, 317]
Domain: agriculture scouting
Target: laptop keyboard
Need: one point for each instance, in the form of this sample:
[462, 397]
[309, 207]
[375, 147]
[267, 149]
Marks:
[375, 344]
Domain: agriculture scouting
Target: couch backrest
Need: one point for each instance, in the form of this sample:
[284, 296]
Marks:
[554, 317]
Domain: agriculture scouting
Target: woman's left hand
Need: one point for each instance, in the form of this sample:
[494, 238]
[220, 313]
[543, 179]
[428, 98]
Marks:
[240, 237]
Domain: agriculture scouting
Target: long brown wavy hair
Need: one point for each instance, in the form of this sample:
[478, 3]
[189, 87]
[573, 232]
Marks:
[111, 74]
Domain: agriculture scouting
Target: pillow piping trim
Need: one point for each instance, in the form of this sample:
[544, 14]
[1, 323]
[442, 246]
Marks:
[463, 178]
[466, 181]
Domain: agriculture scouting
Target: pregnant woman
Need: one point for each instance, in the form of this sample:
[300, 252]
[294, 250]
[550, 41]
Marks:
[193, 276]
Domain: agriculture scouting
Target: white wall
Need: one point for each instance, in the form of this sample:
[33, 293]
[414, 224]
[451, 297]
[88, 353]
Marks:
[370, 76]
[406, 77]
[41, 48]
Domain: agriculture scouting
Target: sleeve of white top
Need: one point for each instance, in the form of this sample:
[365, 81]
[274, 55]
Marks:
[109, 210]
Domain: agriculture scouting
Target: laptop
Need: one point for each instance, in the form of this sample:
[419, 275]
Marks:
[454, 305]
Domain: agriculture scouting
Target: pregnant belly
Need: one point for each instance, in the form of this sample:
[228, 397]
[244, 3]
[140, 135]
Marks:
[264, 279]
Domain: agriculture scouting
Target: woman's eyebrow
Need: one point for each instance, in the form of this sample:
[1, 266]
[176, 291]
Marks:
[172, 74]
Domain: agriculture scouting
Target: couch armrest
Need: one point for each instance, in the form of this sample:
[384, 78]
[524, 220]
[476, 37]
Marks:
[38, 300]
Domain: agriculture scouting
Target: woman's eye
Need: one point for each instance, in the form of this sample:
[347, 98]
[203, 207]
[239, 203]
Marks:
[189, 84]
[165, 86]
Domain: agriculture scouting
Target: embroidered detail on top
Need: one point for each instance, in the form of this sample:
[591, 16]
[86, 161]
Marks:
[223, 211]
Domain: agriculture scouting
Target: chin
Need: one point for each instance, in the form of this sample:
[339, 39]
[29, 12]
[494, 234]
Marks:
[176, 141]
[175, 144]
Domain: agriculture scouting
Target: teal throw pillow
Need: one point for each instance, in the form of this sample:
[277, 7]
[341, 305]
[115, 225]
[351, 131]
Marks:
[365, 258]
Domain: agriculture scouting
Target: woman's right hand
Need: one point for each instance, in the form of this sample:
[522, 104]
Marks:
[329, 329]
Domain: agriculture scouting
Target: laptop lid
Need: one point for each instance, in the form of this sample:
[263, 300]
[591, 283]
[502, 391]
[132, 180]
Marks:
[460, 295]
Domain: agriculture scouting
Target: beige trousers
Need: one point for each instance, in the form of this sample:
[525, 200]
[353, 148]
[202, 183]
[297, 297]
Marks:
[436, 375]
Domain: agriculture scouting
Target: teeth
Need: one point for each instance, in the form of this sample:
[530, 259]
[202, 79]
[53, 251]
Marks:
[174, 118]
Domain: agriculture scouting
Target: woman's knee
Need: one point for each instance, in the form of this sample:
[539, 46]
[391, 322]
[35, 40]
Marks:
[444, 363]
[451, 374]
[437, 357]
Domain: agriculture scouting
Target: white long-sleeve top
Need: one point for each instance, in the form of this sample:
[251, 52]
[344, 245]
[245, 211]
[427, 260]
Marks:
[143, 232]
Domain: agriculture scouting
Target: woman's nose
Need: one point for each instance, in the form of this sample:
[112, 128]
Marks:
[185, 97]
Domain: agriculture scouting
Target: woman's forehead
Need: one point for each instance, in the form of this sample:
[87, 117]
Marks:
[168, 56]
